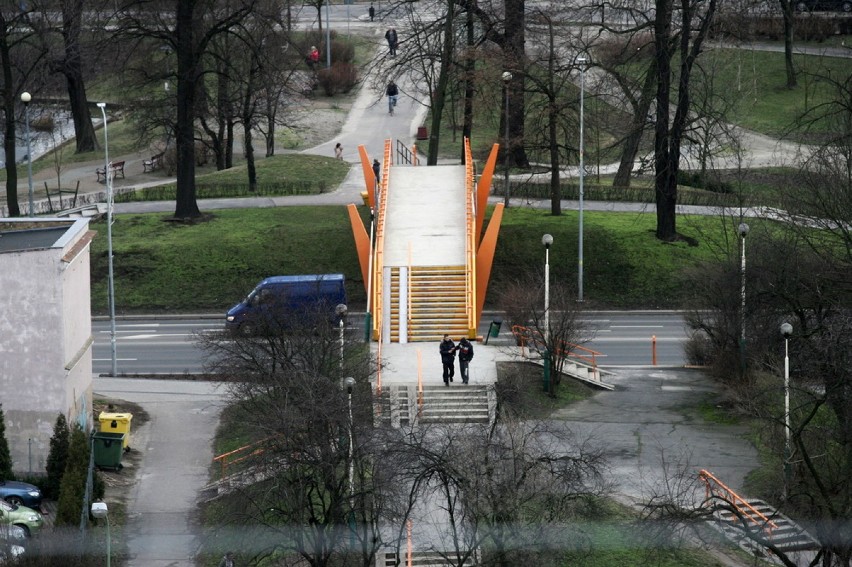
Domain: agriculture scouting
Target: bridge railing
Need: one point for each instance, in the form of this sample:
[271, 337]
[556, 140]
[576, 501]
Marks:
[404, 156]
[470, 240]
[716, 488]
[527, 337]
[379, 263]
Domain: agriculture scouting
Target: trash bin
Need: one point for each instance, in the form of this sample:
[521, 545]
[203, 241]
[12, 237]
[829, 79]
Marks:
[494, 328]
[108, 448]
[422, 133]
[116, 423]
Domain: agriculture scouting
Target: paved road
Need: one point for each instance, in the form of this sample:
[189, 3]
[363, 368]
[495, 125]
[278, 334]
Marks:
[649, 429]
[166, 345]
[161, 529]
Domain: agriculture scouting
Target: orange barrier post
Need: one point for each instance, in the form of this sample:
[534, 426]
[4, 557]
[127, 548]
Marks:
[653, 350]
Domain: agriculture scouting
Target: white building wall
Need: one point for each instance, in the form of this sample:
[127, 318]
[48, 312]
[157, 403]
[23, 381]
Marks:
[45, 344]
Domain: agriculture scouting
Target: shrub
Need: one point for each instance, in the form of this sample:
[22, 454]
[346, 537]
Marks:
[57, 456]
[5, 456]
[341, 77]
[73, 484]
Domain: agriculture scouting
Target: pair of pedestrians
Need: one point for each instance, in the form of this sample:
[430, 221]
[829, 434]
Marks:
[448, 351]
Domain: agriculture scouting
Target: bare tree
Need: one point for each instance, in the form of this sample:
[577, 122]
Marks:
[554, 332]
[21, 57]
[189, 31]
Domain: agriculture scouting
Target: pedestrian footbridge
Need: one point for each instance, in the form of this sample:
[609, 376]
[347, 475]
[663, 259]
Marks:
[424, 257]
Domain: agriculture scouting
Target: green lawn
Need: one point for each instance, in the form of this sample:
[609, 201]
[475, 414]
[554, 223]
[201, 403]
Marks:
[167, 266]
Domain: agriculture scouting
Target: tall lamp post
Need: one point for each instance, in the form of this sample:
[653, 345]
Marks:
[26, 98]
[100, 510]
[349, 382]
[341, 311]
[581, 61]
[110, 278]
[786, 331]
[507, 78]
[327, 34]
[547, 240]
[742, 230]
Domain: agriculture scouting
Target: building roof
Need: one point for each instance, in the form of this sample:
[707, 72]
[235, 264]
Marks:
[19, 235]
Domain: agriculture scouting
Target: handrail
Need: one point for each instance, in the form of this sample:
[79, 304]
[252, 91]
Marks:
[408, 296]
[563, 349]
[406, 156]
[379, 264]
[225, 460]
[745, 510]
[470, 239]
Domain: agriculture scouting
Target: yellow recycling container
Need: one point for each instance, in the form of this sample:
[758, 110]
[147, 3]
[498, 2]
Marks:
[117, 423]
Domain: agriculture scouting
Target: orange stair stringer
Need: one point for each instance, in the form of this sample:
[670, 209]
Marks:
[483, 188]
[485, 258]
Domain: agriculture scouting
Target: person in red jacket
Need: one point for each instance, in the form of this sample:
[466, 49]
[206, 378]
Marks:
[313, 57]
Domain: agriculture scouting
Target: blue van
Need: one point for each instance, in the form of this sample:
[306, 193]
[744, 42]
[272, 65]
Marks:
[282, 302]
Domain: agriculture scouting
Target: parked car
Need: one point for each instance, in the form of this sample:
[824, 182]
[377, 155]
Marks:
[26, 518]
[823, 6]
[20, 493]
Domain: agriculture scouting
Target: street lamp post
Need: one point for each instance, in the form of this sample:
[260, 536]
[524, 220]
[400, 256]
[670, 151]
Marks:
[341, 311]
[349, 382]
[327, 34]
[581, 61]
[547, 240]
[26, 98]
[742, 230]
[786, 331]
[507, 78]
[110, 278]
[100, 510]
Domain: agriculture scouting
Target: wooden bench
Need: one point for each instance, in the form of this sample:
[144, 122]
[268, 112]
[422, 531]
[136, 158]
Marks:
[59, 193]
[115, 168]
[155, 162]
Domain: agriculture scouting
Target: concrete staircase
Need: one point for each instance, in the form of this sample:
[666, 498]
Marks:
[779, 531]
[458, 403]
[437, 303]
[418, 559]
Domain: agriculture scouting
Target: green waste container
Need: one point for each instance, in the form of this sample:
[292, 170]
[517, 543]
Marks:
[108, 448]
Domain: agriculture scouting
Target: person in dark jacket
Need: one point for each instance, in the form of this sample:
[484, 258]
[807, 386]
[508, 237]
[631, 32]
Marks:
[465, 349]
[393, 41]
[372, 12]
[448, 359]
[393, 92]
[377, 170]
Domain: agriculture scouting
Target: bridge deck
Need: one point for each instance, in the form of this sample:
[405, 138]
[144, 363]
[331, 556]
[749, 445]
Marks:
[426, 209]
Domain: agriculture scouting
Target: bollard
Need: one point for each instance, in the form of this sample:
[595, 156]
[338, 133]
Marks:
[653, 350]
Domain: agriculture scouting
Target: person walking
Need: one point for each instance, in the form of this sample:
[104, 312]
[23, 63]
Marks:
[338, 151]
[465, 349]
[393, 41]
[372, 12]
[448, 359]
[393, 93]
[227, 560]
[377, 170]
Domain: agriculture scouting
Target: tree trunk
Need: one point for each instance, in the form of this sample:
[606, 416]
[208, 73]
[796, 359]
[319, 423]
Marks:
[637, 129]
[441, 88]
[186, 205]
[552, 121]
[72, 69]
[666, 180]
[9, 101]
[787, 12]
[515, 60]
[469, 73]
[247, 118]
